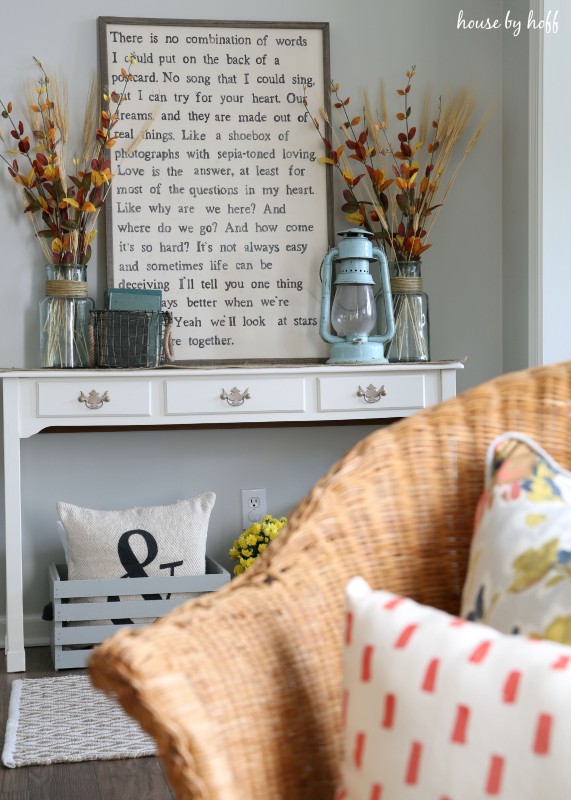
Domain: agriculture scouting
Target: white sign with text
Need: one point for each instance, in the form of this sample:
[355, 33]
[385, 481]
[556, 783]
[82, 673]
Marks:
[222, 205]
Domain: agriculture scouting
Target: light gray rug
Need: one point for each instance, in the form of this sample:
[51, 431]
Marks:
[65, 719]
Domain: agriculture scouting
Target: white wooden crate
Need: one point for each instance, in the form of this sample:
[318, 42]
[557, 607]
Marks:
[66, 598]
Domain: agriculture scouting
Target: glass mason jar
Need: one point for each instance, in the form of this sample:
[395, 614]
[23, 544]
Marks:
[64, 317]
[411, 341]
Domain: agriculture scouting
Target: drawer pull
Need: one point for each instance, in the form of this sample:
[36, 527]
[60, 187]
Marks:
[94, 400]
[371, 394]
[236, 397]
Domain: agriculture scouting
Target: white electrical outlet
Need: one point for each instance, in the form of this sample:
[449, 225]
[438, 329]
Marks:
[254, 507]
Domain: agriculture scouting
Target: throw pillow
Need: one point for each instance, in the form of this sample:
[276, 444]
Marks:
[438, 707]
[519, 572]
[137, 542]
[62, 537]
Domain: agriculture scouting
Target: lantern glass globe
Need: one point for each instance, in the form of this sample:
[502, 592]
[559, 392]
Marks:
[354, 312]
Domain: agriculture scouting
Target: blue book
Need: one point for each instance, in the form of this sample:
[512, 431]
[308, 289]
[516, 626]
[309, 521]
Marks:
[133, 299]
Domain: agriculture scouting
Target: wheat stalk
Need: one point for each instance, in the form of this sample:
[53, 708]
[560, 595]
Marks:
[60, 99]
[425, 115]
[90, 117]
[454, 119]
[144, 128]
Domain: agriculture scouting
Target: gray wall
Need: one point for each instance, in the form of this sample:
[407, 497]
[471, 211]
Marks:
[463, 270]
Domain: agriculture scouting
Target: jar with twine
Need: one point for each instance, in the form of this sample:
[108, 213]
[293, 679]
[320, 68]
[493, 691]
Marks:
[411, 341]
[64, 317]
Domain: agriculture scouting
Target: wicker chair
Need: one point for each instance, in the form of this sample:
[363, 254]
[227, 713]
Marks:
[241, 690]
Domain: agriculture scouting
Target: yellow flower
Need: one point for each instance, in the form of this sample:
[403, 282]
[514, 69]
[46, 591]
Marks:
[254, 540]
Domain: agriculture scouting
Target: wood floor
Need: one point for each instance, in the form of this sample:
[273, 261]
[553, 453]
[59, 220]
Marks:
[127, 779]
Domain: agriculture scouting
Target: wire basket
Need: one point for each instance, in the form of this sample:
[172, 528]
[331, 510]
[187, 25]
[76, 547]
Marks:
[130, 339]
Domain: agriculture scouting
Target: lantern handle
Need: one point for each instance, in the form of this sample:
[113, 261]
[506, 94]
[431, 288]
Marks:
[381, 259]
[326, 274]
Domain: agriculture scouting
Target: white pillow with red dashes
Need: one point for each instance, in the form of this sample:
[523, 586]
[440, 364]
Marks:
[439, 707]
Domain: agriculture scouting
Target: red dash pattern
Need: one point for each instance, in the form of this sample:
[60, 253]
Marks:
[495, 773]
[543, 734]
[479, 653]
[404, 637]
[460, 727]
[429, 681]
[413, 765]
[366, 668]
[511, 686]
[389, 711]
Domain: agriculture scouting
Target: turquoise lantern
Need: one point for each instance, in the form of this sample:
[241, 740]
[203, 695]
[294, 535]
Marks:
[353, 314]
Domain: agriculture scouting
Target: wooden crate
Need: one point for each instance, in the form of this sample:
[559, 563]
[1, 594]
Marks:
[65, 595]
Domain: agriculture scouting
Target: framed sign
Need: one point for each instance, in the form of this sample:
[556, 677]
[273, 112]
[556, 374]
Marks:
[222, 204]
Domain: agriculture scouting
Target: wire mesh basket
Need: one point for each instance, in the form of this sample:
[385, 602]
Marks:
[130, 339]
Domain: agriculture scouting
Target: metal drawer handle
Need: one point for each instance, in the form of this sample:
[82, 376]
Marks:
[371, 394]
[236, 397]
[94, 400]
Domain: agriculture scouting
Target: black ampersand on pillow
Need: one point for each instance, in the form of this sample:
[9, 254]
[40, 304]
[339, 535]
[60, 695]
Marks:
[135, 568]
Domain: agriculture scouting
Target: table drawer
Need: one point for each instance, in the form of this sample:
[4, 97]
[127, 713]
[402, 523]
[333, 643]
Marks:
[401, 392]
[99, 398]
[235, 395]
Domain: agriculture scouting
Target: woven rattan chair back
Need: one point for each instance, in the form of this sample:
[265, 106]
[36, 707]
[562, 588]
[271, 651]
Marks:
[241, 690]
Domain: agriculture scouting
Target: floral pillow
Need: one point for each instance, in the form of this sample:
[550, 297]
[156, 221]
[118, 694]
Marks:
[438, 708]
[519, 572]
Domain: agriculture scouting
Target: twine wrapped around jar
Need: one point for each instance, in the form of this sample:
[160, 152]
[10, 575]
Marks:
[406, 284]
[61, 287]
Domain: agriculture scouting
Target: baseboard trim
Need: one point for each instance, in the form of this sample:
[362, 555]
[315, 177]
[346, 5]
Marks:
[37, 632]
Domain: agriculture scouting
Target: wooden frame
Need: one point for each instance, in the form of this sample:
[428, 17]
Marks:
[222, 204]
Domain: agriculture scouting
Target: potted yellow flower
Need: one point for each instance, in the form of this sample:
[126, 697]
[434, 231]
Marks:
[254, 540]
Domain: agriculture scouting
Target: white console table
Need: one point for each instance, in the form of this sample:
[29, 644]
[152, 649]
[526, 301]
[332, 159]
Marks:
[38, 399]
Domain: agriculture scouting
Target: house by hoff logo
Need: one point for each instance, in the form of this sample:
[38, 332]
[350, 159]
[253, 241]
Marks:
[549, 23]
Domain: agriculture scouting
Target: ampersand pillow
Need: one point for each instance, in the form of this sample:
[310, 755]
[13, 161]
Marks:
[519, 572]
[438, 708]
[137, 542]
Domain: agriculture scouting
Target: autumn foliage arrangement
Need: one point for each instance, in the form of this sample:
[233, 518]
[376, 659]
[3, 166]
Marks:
[62, 203]
[396, 187]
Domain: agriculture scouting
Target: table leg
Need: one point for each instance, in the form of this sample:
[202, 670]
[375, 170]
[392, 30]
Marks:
[15, 654]
[448, 378]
